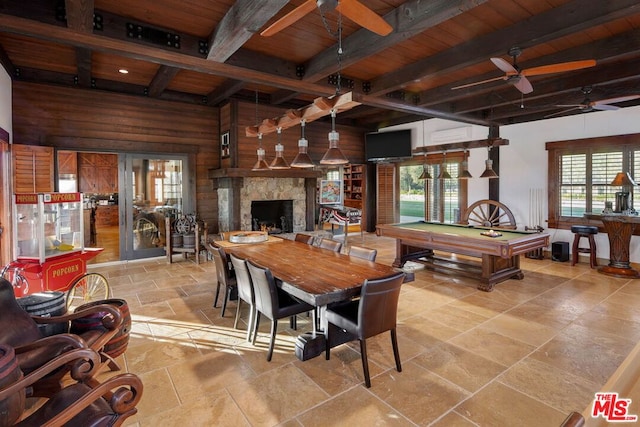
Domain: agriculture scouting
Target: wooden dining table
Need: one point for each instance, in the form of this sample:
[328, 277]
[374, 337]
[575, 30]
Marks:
[313, 275]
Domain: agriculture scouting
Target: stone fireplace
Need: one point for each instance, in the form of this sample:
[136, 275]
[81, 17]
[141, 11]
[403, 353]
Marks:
[238, 188]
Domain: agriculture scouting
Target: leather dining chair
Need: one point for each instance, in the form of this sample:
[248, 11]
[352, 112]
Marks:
[364, 253]
[245, 292]
[272, 301]
[332, 245]
[224, 276]
[373, 313]
[304, 238]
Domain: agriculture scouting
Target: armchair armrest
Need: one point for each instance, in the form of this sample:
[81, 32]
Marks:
[84, 363]
[111, 321]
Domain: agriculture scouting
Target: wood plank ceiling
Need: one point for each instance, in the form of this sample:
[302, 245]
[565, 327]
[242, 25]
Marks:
[199, 51]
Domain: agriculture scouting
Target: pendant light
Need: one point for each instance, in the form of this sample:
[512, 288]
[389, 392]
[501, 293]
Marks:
[425, 171]
[302, 159]
[261, 164]
[464, 173]
[444, 174]
[333, 156]
[488, 171]
[279, 162]
[623, 179]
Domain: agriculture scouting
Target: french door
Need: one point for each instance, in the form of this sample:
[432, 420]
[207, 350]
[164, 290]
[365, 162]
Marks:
[153, 190]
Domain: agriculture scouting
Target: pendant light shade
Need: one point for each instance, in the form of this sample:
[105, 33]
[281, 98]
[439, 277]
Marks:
[302, 159]
[333, 156]
[464, 173]
[444, 174]
[261, 164]
[425, 172]
[279, 162]
[623, 178]
[488, 171]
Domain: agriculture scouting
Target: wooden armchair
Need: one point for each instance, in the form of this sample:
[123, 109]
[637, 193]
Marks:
[183, 236]
[83, 402]
[19, 330]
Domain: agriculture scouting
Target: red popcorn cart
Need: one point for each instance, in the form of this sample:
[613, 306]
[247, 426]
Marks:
[49, 249]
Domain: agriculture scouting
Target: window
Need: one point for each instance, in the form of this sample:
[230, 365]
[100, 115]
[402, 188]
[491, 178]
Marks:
[580, 175]
[441, 199]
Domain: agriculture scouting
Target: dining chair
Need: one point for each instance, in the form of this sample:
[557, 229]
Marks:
[373, 313]
[332, 245]
[224, 276]
[364, 253]
[304, 238]
[272, 301]
[245, 292]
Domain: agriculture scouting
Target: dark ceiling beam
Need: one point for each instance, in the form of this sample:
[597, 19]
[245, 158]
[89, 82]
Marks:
[225, 91]
[7, 63]
[171, 58]
[239, 24]
[412, 18]
[572, 17]
[605, 51]
[161, 80]
[407, 108]
[79, 16]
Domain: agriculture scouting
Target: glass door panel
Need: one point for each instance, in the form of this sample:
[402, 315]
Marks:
[155, 191]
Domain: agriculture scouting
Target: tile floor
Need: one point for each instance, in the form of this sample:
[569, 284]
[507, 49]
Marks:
[526, 354]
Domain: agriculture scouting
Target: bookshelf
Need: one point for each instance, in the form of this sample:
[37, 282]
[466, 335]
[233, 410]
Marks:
[354, 186]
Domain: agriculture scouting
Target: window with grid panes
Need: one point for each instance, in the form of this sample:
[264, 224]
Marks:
[580, 175]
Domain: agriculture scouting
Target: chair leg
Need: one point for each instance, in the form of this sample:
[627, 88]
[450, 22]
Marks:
[574, 252]
[235, 322]
[592, 247]
[396, 353]
[227, 293]
[255, 330]
[274, 328]
[252, 320]
[215, 301]
[365, 362]
[327, 347]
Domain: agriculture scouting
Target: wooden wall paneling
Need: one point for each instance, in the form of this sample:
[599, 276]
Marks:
[92, 120]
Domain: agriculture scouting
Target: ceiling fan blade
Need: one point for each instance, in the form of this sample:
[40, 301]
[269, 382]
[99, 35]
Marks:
[557, 113]
[480, 82]
[523, 85]
[504, 66]
[363, 16]
[291, 17]
[572, 105]
[558, 68]
[603, 107]
[616, 100]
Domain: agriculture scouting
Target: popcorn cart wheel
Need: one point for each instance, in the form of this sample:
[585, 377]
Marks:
[67, 273]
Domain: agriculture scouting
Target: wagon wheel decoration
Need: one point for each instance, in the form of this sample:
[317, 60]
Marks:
[489, 213]
[182, 225]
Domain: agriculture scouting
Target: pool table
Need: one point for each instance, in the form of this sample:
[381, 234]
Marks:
[499, 256]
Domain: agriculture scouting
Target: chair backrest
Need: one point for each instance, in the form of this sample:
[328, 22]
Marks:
[332, 245]
[304, 238]
[364, 253]
[17, 328]
[243, 279]
[264, 287]
[221, 262]
[378, 308]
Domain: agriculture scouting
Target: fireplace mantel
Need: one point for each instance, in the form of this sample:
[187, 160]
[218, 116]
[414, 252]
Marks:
[283, 173]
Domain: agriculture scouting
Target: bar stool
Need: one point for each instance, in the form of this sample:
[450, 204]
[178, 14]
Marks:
[587, 231]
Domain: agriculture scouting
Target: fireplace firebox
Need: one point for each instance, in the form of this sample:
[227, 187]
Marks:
[272, 216]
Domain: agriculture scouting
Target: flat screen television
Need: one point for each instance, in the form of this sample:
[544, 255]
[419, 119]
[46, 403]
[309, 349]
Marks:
[387, 146]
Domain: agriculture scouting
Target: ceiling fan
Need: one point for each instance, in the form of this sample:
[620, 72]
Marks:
[588, 105]
[517, 77]
[352, 9]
